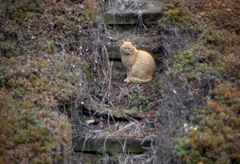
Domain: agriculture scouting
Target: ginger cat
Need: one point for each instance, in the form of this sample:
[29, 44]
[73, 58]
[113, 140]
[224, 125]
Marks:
[140, 64]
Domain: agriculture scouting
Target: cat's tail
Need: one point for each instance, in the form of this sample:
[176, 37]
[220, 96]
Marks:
[137, 80]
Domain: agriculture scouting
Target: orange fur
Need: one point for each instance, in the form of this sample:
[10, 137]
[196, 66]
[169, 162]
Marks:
[140, 64]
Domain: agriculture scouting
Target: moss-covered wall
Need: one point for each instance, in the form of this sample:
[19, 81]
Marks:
[214, 55]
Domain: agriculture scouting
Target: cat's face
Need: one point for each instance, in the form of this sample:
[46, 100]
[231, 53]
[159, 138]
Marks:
[127, 48]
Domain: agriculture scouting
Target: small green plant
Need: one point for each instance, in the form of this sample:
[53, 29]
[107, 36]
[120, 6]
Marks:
[139, 102]
[135, 94]
[107, 133]
[133, 111]
[158, 114]
[91, 11]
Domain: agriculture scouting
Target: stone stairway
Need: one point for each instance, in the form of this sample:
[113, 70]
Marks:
[134, 21]
[139, 12]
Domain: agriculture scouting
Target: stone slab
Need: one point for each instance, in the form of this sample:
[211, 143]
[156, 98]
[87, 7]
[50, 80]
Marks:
[111, 145]
[114, 51]
[133, 12]
[131, 18]
[94, 107]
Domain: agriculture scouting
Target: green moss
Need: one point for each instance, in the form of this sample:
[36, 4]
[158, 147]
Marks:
[180, 17]
[139, 101]
[89, 75]
[214, 37]
[195, 62]
[91, 15]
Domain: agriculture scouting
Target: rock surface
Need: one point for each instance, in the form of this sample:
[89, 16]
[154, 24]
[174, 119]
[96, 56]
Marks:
[111, 145]
[133, 12]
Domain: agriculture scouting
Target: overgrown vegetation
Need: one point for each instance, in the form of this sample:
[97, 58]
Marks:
[216, 138]
[30, 135]
[54, 59]
[212, 57]
[37, 77]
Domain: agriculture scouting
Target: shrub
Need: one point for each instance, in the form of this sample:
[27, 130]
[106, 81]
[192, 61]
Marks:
[29, 135]
[91, 11]
[217, 138]
[180, 17]
[36, 79]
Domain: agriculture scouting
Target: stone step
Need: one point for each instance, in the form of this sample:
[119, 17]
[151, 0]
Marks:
[142, 39]
[133, 12]
[113, 50]
[115, 55]
[111, 145]
[119, 114]
[139, 17]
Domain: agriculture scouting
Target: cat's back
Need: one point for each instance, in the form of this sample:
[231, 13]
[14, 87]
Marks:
[144, 57]
[136, 59]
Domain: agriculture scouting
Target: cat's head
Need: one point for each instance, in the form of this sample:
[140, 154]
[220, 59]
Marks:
[127, 48]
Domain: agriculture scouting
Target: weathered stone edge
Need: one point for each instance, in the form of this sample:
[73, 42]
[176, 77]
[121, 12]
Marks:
[111, 145]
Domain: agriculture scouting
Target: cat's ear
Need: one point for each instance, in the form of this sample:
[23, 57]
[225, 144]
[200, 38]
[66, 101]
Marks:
[132, 43]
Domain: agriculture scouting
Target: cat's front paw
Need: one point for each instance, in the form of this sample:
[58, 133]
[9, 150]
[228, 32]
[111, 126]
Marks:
[126, 80]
